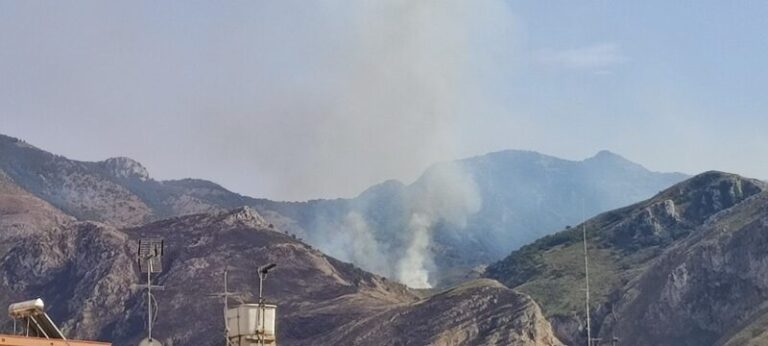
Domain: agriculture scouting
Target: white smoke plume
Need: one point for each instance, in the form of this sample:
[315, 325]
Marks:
[412, 269]
[354, 241]
[446, 194]
[378, 90]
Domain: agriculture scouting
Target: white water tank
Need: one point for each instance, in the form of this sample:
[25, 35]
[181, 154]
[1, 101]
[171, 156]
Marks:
[26, 308]
[245, 321]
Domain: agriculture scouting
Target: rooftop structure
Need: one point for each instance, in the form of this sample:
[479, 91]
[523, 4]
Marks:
[17, 340]
[35, 328]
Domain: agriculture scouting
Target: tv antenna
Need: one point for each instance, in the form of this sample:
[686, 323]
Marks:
[150, 258]
[225, 297]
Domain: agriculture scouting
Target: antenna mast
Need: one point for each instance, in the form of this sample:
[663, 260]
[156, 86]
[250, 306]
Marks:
[150, 257]
[225, 296]
[586, 275]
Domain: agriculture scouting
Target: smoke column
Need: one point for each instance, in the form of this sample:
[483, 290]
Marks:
[354, 241]
[446, 193]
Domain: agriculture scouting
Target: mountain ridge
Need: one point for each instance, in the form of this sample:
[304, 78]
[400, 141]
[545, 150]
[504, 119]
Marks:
[628, 248]
[455, 217]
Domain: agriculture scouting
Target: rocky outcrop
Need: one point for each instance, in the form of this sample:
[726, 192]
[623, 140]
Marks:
[705, 289]
[125, 168]
[683, 268]
[80, 189]
[479, 312]
[83, 270]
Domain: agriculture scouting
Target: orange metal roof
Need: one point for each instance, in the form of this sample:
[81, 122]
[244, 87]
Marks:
[15, 340]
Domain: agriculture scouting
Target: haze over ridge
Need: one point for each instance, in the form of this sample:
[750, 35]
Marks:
[294, 101]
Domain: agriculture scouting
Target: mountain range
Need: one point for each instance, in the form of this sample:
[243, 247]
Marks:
[436, 231]
[684, 266]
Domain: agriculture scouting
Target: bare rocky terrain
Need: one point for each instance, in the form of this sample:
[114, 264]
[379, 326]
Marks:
[686, 267]
[477, 312]
[87, 274]
[23, 214]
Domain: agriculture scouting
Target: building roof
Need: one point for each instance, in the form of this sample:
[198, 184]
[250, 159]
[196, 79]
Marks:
[16, 340]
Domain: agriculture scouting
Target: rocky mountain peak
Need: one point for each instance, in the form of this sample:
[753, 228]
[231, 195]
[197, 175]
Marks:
[609, 157]
[125, 168]
[246, 215]
[607, 154]
[710, 192]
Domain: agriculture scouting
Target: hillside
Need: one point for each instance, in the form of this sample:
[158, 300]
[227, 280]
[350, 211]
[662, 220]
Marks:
[86, 272]
[499, 316]
[659, 269]
[116, 191]
[23, 214]
[434, 232]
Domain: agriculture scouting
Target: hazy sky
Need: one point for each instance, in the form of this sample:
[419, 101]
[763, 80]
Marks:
[306, 99]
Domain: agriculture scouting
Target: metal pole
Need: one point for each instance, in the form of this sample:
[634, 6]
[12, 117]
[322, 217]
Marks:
[261, 305]
[149, 299]
[226, 308]
[586, 274]
[261, 284]
[263, 321]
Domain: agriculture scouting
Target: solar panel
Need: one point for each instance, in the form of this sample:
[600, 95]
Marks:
[37, 321]
[151, 255]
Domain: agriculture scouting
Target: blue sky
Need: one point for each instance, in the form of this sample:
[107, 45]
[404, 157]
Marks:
[306, 99]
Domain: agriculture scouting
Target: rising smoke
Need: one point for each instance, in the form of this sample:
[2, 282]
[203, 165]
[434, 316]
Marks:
[354, 241]
[402, 247]
[447, 194]
[377, 90]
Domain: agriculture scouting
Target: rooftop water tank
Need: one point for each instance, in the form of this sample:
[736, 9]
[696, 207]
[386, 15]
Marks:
[26, 308]
[246, 321]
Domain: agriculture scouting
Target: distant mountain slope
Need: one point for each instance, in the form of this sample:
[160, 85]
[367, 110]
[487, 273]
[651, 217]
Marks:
[685, 267]
[479, 209]
[117, 191]
[23, 214]
[479, 312]
[86, 190]
[86, 271]
[527, 195]
[455, 217]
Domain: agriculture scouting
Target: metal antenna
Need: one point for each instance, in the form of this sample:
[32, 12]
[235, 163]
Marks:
[225, 297]
[150, 261]
[586, 274]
